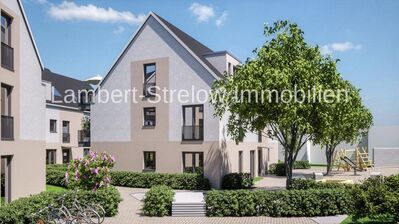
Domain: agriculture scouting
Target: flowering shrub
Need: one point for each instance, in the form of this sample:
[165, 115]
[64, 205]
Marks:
[91, 172]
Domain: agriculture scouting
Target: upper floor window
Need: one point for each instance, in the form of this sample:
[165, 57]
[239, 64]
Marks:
[7, 121]
[193, 122]
[229, 68]
[53, 126]
[66, 136]
[149, 79]
[149, 116]
[7, 52]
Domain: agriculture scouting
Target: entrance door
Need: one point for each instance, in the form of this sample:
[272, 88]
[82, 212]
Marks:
[252, 163]
[66, 156]
[5, 186]
[260, 162]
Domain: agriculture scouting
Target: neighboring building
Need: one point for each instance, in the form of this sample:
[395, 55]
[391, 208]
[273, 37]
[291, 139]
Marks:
[65, 137]
[22, 109]
[171, 137]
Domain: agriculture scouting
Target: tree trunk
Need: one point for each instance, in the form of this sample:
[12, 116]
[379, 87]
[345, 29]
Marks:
[329, 157]
[288, 169]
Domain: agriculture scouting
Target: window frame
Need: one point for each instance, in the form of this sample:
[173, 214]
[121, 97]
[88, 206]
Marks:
[193, 161]
[193, 117]
[8, 29]
[146, 166]
[147, 93]
[145, 109]
[54, 151]
[53, 131]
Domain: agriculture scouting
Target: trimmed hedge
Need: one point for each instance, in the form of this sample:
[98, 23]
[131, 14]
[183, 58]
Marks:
[233, 181]
[305, 184]
[20, 210]
[186, 181]
[158, 201]
[279, 168]
[286, 203]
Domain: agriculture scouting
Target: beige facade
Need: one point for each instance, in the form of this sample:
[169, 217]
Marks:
[64, 142]
[22, 140]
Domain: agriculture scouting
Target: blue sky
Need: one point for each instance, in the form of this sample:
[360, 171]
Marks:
[83, 38]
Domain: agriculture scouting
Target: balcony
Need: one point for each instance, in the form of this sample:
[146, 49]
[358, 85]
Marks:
[7, 127]
[193, 133]
[7, 57]
[84, 138]
[149, 89]
[66, 138]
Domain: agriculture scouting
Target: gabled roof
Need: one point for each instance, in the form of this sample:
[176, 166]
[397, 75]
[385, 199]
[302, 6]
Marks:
[194, 47]
[30, 33]
[61, 84]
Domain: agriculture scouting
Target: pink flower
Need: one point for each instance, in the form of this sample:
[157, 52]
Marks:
[94, 170]
[112, 159]
[66, 177]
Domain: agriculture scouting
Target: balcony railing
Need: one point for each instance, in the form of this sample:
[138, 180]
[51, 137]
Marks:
[66, 137]
[7, 56]
[190, 133]
[84, 138]
[149, 89]
[7, 127]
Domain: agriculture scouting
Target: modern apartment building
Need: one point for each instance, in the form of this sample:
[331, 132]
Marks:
[22, 109]
[175, 136]
[67, 123]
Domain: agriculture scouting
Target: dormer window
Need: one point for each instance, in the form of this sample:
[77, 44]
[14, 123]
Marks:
[149, 80]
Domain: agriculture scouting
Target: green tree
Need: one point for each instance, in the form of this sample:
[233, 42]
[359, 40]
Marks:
[344, 120]
[284, 64]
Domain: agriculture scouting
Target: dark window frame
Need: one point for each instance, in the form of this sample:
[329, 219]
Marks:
[145, 109]
[200, 125]
[149, 167]
[55, 127]
[9, 20]
[193, 162]
[146, 84]
[64, 159]
[54, 154]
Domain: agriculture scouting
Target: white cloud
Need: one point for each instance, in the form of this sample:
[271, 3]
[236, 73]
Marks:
[70, 11]
[42, 2]
[341, 47]
[119, 30]
[221, 19]
[202, 12]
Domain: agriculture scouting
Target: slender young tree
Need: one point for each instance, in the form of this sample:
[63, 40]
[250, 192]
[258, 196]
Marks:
[344, 120]
[274, 92]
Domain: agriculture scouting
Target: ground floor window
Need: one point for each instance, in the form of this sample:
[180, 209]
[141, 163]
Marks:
[5, 179]
[66, 156]
[50, 156]
[193, 162]
[86, 151]
[149, 161]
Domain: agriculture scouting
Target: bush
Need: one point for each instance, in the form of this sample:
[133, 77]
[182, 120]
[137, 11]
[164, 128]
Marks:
[21, 210]
[237, 181]
[377, 197]
[91, 172]
[286, 203]
[187, 181]
[158, 201]
[279, 168]
[305, 184]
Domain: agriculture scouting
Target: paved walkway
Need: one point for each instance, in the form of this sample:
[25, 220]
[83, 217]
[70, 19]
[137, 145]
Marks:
[129, 213]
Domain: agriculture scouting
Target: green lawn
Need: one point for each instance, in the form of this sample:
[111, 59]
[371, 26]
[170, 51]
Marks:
[366, 221]
[52, 188]
[256, 179]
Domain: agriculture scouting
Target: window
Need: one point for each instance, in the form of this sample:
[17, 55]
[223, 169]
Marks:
[86, 151]
[260, 136]
[149, 116]
[149, 80]
[50, 156]
[53, 126]
[7, 52]
[229, 68]
[193, 122]
[7, 121]
[6, 100]
[149, 161]
[193, 162]
[66, 137]
[6, 29]
[66, 156]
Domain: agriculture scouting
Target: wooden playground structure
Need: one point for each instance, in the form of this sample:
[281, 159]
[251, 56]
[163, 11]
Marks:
[358, 156]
